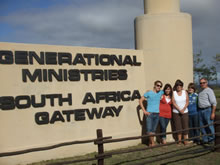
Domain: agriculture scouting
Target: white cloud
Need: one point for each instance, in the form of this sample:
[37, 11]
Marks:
[206, 25]
[103, 24]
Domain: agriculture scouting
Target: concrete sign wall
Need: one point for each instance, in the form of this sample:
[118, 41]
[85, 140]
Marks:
[54, 94]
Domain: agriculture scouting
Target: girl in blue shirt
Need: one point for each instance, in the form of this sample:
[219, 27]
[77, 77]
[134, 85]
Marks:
[193, 113]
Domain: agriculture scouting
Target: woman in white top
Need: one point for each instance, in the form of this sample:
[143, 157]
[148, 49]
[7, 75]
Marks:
[180, 101]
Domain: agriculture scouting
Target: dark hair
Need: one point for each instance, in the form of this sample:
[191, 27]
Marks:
[158, 81]
[168, 86]
[178, 83]
[203, 78]
[192, 85]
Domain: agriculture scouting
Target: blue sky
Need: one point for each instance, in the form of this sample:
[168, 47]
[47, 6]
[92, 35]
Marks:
[98, 23]
[68, 22]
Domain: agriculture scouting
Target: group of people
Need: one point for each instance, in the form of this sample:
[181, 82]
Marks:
[186, 108]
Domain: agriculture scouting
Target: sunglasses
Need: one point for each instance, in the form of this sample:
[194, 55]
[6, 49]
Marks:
[202, 82]
[159, 85]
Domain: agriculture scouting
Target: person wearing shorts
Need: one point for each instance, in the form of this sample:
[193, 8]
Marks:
[152, 110]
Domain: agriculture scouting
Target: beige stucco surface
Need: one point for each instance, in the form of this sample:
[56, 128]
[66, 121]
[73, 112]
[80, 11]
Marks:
[166, 41]
[161, 6]
[164, 48]
[19, 130]
[165, 36]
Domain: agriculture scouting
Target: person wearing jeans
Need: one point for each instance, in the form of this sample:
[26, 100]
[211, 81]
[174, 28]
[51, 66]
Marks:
[152, 110]
[193, 113]
[207, 106]
[165, 111]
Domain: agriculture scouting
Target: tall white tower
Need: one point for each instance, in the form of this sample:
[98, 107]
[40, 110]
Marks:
[165, 36]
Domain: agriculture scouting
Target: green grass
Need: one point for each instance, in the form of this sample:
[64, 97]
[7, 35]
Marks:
[173, 154]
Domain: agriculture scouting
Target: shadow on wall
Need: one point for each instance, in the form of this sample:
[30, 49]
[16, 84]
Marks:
[143, 124]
